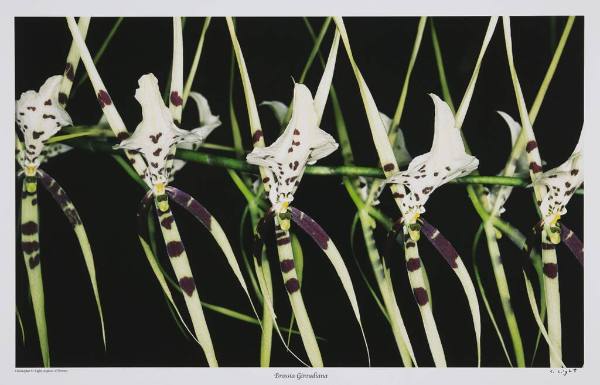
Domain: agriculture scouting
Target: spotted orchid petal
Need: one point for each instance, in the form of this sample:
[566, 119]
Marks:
[39, 116]
[445, 161]
[561, 183]
[156, 134]
[301, 143]
[197, 136]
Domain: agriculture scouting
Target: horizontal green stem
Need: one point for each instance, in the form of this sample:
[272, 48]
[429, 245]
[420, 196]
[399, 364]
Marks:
[240, 165]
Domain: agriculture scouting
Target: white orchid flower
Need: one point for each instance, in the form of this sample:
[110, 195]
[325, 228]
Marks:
[445, 161]
[39, 116]
[156, 134]
[208, 122]
[561, 183]
[301, 143]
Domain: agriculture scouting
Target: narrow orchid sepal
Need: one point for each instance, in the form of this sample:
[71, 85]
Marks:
[66, 205]
[572, 241]
[449, 253]
[322, 239]
[447, 160]
[201, 214]
[301, 143]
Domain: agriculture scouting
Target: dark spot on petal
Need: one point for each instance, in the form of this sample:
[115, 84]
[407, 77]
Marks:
[37, 134]
[292, 285]
[174, 249]
[257, 136]
[34, 261]
[296, 132]
[388, 167]
[104, 99]
[69, 72]
[283, 241]
[30, 247]
[176, 99]
[287, 265]
[157, 152]
[398, 195]
[29, 228]
[548, 246]
[427, 190]
[531, 145]
[122, 135]
[413, 264]
[534, 167]
[550, 270]
[167, 222]
[187, 285]
[266, 179]
[574, 172]
[409, 244]
[62, 98]
[156, 137]
[48, 102]
[421, 296]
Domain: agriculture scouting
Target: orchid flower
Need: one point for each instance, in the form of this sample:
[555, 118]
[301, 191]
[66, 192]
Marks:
[301, 143]
[281, 166]
[39, 116]
[447, 160]
[150, 150]
[561, 183]
[155, 138]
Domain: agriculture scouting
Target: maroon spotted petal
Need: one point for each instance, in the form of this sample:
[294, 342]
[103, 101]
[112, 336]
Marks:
[573, 242]
[441, 244]
[311, 227]
[191, 205]
[61, 197]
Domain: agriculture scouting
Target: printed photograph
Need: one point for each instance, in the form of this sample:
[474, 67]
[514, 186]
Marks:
[299, 192]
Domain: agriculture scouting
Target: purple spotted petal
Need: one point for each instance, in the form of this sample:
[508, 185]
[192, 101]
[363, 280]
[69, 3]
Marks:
[191, 205]
[441, 244]
[573, 242]
[61, 197]
[311, 227]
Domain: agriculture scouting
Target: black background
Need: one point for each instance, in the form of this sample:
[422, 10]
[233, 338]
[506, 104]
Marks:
[140, 329]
